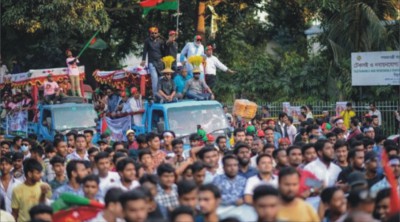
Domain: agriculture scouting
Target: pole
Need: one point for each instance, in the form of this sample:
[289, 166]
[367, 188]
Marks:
[178, 12]
[87, 44]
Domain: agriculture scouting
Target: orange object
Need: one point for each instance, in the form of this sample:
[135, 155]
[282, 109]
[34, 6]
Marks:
[245, 108]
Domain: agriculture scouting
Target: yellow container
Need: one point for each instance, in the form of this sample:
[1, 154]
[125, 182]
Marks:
[244, 108]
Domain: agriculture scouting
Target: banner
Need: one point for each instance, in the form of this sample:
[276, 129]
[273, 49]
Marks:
[117, 127]
[17, 123]
[295, 112]
[340, 106]
[286, 107]
[375, 68]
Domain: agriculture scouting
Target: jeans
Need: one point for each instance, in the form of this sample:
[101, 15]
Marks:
[198, 96]
[160, 99]
[154, 77]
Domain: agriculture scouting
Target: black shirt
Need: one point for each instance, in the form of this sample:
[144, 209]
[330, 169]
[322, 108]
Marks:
[153, 49]
[167, 86]
[374, 180]
[344, 175]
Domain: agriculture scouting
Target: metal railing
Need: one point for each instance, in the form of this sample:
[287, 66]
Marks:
[387, 108]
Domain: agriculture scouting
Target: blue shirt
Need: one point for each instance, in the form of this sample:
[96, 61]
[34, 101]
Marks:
[231, 189]
[250, 172]
[180, 82]
[66, 188]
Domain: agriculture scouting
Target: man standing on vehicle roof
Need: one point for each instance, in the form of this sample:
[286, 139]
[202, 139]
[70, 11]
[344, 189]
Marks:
[137, 107]
[73, 73]
[153, 49]
[212, 63]
[192, 49]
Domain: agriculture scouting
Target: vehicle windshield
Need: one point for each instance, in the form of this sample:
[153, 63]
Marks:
[74, 117]
[184, 121]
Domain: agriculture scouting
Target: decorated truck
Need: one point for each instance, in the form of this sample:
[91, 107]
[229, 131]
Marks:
[182, 117]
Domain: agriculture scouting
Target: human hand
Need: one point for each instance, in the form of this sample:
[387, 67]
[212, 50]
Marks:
[44, 188]
[239, 202]
[212, 96]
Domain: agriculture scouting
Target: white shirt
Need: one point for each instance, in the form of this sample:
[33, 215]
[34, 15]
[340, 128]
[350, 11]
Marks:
[100, 218]
[327, 174]
[191, 49]
[212, 63]
[75, 156]
[378, 114]
[118, 184]
[210, 176]
[136, 105]
[253, 161]
[292, 131]
[111, 178]
[7, 194]
[73, 69]
[256, 181]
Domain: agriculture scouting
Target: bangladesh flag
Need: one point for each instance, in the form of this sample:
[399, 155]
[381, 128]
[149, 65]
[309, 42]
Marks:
[97, 43]
[149, 5]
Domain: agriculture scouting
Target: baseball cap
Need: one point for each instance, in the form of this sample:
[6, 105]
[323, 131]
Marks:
[172, 32]
[371, 155]
[210, 138]
[198, 37]
[129, 132]
[134, 90]
[356, 178]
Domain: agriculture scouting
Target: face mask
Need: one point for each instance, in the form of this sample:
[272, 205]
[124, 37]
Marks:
[24, 148]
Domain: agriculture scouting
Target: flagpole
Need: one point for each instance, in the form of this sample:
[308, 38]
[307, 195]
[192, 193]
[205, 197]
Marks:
[87, 44]
[177, 19]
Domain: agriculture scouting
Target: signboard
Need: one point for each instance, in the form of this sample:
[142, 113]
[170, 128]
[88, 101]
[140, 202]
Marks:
[340, 106]
[375, 68]
[17, 123]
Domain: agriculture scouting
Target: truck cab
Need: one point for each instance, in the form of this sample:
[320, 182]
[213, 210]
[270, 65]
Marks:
[183, 117]
[62, 118]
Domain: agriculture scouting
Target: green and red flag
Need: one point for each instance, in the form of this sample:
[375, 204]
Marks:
[149, 5]
[97, 43]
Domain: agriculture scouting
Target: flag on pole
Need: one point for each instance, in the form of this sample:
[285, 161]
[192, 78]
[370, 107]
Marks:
[149, 5]
[98, 43]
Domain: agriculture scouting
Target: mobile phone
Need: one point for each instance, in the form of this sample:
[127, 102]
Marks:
[314, 183]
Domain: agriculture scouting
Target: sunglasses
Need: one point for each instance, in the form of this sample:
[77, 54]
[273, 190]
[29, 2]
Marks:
[167, 74]
[154, 33]
[198, 40]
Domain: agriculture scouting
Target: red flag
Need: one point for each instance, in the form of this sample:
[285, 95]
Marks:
[150, 3]
[394, 196]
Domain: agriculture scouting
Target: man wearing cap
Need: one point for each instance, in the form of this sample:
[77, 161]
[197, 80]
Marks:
[347, 114]
[212, 63]
[73, 73]
[171, 46]
[191, 49]
[136, 105]
[180, 81]
[166, 89]
[371, 168]
[50, 90]
[153, 48]
[130, 135]
[195, 87]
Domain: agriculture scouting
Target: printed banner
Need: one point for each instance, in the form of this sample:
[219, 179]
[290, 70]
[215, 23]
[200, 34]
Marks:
[340, 106]
[295, 112]
[17, 123]
[286, 107]
[117, 127]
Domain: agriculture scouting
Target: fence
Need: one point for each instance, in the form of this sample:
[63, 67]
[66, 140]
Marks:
[387, 108]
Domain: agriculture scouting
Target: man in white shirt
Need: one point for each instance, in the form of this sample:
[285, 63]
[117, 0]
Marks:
[323, 167]
[374, 111]
[126, 169]
[264, 176]
[107, 177]
[51, 90]
[136, 104]
[113, 209]
[192, 49]
[212, 63]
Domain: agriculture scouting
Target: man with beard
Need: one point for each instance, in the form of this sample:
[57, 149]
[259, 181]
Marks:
[209, 198]
[31, 192]
[281, 160]
[256, 148]
[230, 184]
[243, 152]
[221, 145]
[153, 48]
[126, 169]
[76, 171]
[356, 163]
[195, 88]
[371, 168]
[61, 148]
[323, 167]
[265, 176]
[134, 206]
[293, 208]
[209, 156]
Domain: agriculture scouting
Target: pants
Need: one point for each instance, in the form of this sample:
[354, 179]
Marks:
[154, 77]
[75, 86]
[211, 80]
[51, 99]
[198, 96]
[161, 99]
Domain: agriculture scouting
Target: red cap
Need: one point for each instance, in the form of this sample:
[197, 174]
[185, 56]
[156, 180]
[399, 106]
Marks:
[210, 138]
[260, 133]
[123, 94]
[134, 90]
[198, 37]
[172, 32]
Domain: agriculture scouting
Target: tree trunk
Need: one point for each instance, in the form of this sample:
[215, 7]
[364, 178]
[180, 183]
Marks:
[201, 27]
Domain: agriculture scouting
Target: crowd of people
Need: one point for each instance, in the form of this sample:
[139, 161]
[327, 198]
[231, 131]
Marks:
[265, 172]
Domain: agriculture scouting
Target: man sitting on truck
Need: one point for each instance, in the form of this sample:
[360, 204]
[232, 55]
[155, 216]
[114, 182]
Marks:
[195, 88]
[51, 90]
[166, 88]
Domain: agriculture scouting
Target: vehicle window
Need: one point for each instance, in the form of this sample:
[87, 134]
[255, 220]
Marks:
[184, 120]
[47, 119]
[74, 117]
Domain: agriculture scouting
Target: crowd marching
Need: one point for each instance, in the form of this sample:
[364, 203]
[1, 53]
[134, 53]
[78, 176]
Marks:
[340, 168]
